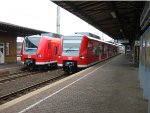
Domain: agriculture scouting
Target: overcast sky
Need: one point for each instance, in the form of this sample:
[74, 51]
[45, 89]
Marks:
[41, 15]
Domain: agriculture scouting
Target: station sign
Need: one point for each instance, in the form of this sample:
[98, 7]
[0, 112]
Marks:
[125, 41]
[137, 43]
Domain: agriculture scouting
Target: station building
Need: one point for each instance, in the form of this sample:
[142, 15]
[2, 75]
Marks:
[7, 48]
[8, 40]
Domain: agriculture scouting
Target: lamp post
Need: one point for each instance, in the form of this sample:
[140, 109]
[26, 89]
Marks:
[58, 20]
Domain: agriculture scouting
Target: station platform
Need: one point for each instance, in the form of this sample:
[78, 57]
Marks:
[109, 88]
[10, 68]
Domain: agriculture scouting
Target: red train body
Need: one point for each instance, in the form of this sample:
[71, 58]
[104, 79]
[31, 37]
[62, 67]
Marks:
[81, 51]
[40, 50]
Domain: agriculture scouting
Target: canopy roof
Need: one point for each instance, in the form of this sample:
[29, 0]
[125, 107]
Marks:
[118, 19]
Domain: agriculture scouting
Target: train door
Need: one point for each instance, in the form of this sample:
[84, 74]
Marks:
[89, 52]
[2, 59]
[106, 51]
[100, 52]
[109, 51]
[56, 52]
[49, 50]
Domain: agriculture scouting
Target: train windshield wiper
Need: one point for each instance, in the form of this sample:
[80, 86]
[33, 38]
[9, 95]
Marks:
[68, 49]
[71, 49]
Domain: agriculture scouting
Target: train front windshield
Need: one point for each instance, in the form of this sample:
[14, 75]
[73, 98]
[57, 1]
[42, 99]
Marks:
[71, 45]
[31, 45]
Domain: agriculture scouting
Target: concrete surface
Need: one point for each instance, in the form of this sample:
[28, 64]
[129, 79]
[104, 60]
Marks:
[110, 88]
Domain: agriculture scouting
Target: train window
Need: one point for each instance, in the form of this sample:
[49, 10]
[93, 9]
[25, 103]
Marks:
[56, 50]
[108, 49]
[71, 45]
[90, 45]
[105, 48]
[100, 49]
[31, 44]
[96, 50]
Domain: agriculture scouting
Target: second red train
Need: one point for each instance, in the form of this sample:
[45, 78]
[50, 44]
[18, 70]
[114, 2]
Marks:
[82, 50]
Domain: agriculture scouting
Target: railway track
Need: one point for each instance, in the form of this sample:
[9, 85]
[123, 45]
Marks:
[9, 77]
[35, 85]
[6, 75]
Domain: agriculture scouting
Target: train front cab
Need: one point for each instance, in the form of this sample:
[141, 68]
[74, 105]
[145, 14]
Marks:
[70, 56]
[39, 52]
[79, 52]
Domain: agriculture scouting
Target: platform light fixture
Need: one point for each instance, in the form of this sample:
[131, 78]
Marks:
[113, 14]
[121, 30]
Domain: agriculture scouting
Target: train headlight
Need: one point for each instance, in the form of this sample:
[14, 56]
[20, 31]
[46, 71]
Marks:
[59, 56]
[82, 57]
[39, 56]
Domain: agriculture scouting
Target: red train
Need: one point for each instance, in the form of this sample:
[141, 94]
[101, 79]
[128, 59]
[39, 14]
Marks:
[83, 50]
[40, 50]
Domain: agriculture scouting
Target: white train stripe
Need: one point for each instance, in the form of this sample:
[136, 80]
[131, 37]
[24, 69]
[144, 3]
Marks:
[82, 66]
[42, 63]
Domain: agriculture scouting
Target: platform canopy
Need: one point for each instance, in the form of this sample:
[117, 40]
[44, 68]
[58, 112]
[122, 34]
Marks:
[19, 31]
[118, 19]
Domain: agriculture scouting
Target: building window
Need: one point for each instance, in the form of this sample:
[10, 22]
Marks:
[7, 48]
